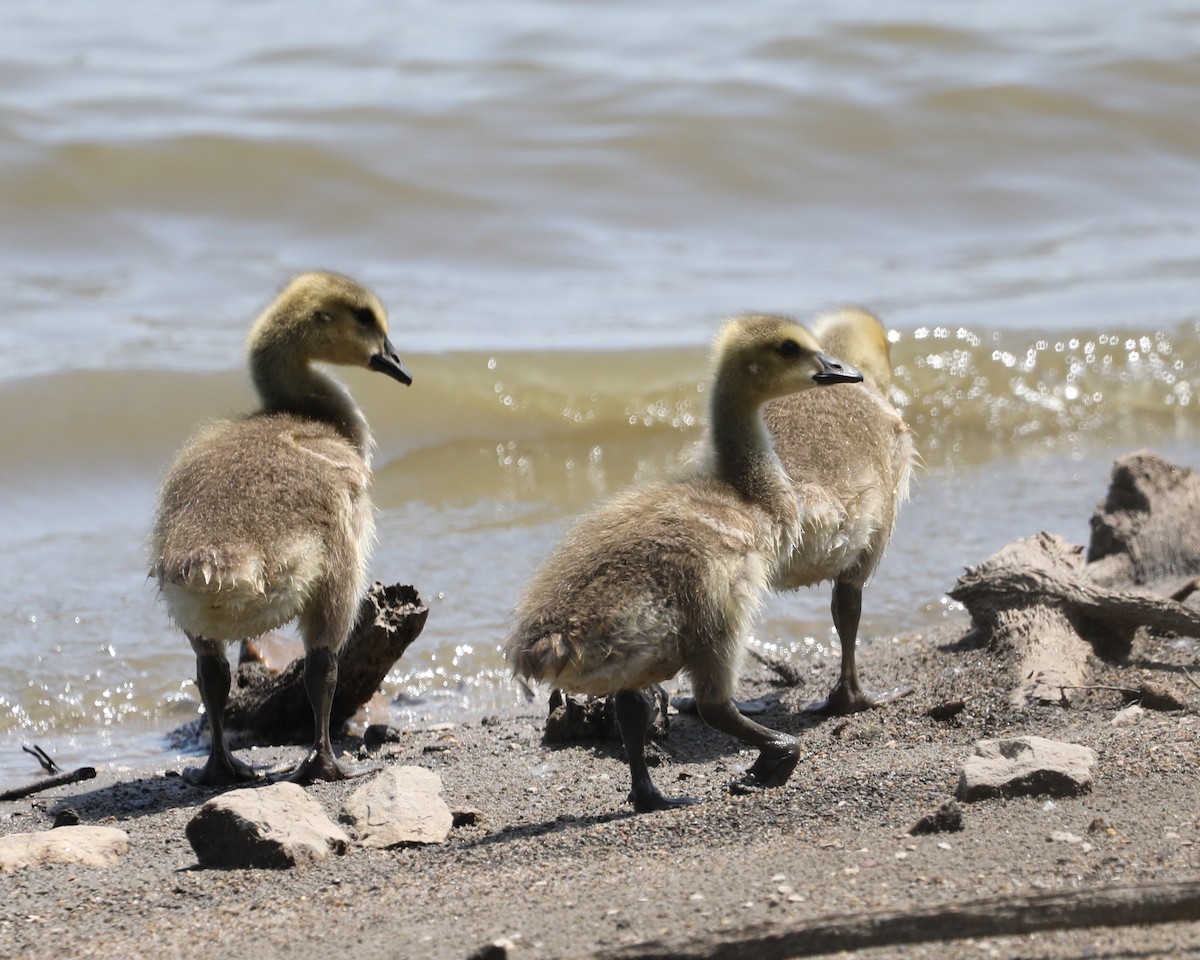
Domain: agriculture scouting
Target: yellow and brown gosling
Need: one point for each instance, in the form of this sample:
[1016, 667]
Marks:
[267, 518]
[849, 455]
[667, 577]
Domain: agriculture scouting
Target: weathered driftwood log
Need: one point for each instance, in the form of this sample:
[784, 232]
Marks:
[1112, 906]
[267, 708]
[1146, 531]
[1041, 599]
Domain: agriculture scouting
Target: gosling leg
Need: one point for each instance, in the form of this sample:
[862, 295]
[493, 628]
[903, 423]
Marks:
[634, 712]
[847, 695]
[778, 753]
[320, 681]
[214, 678]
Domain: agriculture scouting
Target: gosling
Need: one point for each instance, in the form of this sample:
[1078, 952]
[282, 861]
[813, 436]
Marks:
[268, 518]
[667, 576]
[849, 455]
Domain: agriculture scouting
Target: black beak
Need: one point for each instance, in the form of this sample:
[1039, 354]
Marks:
[834, 371]
[388, 361]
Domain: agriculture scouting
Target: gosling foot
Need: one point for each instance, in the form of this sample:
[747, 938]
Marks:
[774, 766]
[747, 708]
[319, 765]
[221, 771]
[844, 699]
[649, 800]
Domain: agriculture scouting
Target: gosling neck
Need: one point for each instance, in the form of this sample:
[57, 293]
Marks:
[743, 454]
[289, 383]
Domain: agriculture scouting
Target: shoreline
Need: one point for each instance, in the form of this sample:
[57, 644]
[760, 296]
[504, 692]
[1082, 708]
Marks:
[560, 866]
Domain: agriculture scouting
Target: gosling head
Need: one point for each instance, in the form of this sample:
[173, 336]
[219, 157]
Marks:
[763, 356]
[858, 336]
[327, 317]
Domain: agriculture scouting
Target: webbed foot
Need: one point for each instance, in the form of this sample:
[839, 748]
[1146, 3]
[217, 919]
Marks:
[221, 772]
[325, 766]
[774, 765]
[747, 708]
[844, 699]
[647, 801]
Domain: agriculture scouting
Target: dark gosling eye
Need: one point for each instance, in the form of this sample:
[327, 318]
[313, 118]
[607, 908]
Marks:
[365, 316]
[789, 349]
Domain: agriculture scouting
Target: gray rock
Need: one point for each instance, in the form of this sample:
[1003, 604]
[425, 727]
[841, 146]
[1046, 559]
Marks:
[276, 826]
[85, 846]
[401, 805]
[1026, 766]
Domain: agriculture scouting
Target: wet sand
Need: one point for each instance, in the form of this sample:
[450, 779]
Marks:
[559, 865]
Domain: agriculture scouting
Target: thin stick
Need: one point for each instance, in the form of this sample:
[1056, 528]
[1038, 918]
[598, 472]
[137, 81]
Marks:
[83, 773]
[1110, 906]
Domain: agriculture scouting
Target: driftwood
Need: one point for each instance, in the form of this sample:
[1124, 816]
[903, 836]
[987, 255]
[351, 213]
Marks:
[266, 708]
[1041, 598]
[1145, 531]
[58, 780]
[1110, 906]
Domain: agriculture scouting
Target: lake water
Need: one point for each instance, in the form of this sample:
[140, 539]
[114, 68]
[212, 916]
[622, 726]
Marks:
[559, 203]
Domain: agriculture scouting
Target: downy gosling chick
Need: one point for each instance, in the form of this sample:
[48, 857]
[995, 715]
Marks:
[268, 518]
[667, 576]
[849, 455]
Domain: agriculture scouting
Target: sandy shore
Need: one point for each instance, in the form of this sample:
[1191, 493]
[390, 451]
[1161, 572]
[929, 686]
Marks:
[560, 866]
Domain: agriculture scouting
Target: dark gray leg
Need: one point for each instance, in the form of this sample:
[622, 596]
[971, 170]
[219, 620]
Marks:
[778, 752]
[634, 712]
[847, 696]
[320, 681]
[214, 679]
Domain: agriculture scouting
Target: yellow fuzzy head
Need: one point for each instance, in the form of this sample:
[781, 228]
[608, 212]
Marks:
[856, 335]
[330, 318]
[763, 355]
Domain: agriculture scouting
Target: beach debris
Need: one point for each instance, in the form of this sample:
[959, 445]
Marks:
[400, 806]
[1026, 766]
[276, 826]
[270, 709]
[947, 710]
[467, 816]
[43, 758]
[83, 846]
[496, 950]
[66, 816]
[575, 717]
[1128, 716]
[788, 673]
[377, 734]
[948, 818]
[1009, 916]
[1150, 696]
[1041, 598]
[58, 780]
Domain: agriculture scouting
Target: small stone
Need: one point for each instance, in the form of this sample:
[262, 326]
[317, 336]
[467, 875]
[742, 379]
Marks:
[947, 710]
[66, 816]
[1026, 766]
[84, 846]
[1130, 715]
[378, 734]
[496, 950]
[466, 816]
[276, 826]
[948, 818]
[401, 805]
